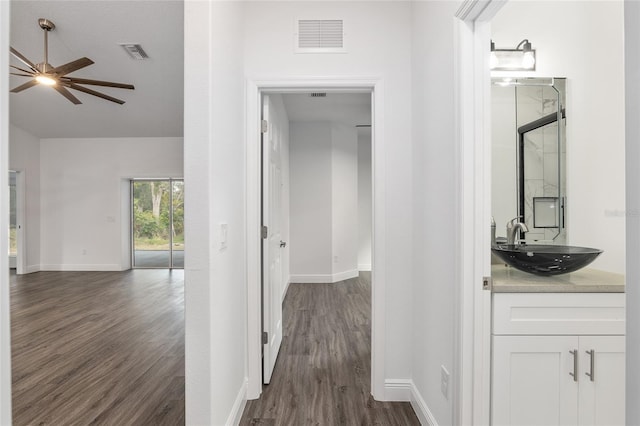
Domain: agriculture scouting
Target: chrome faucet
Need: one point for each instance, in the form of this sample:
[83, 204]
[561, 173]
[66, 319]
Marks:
[513, 226]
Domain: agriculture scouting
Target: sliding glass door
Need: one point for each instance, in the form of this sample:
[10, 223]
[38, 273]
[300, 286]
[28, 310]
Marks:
[157, 226]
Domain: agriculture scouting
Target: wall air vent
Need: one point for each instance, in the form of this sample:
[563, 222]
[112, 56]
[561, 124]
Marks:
[135, 51]
[320, 36]
[317, 95]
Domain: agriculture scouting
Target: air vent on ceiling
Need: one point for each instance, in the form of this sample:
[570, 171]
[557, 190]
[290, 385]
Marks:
[320, 36]
[317, 95]
[135, 51]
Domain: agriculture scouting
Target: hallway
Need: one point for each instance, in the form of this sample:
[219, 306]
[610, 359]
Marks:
[323, 372]
[100, 348]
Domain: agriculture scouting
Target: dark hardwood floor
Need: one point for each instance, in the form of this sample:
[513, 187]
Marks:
[322, 375]
[98, 348]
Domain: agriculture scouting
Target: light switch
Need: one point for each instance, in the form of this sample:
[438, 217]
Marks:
[224, 229]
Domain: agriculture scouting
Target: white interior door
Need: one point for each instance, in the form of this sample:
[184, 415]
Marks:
[272, 244]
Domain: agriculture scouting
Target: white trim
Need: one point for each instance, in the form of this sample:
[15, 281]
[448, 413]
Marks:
[254, 88]
[238, 406]
[398, 389]
[472, 387]
[5, 330]
[31, 269]
[323, 278]
[364, 267]
[286, 288]
[106, 267]
[421, 408]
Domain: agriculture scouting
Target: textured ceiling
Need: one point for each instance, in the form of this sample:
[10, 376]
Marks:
[94, 29]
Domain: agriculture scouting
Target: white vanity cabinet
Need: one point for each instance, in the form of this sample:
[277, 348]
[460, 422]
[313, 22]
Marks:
[558, 359]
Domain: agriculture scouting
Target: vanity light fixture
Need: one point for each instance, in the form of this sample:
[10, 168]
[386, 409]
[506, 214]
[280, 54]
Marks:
[522, 58]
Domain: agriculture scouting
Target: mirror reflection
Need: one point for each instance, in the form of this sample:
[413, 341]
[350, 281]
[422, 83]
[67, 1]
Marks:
[528, 159]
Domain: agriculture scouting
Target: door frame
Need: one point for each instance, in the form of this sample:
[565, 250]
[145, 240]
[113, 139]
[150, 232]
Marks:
[21, 250]
[472, 351]
[255, 87]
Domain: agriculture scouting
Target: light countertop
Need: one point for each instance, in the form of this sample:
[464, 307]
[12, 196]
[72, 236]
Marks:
[510, 280]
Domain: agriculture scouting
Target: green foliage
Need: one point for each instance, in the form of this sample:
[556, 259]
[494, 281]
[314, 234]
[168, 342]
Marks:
[149, 229]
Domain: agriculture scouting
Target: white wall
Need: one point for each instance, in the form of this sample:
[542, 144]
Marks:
[365, 205]
[24, 156]
[81, 199]
[5, 342]
[324, 197]
[595, 109]
[434, 163]
[379, 46]
[344, 204]
[214, 150]
[632, 97]
[310, 164]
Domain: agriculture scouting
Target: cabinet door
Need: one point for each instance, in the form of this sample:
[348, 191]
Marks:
[602, 396]
[531, 382]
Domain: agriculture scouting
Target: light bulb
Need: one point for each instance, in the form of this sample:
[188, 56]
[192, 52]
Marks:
[47, 81]
[528, 60]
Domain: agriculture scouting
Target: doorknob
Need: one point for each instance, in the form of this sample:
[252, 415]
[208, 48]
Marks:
[283, 243]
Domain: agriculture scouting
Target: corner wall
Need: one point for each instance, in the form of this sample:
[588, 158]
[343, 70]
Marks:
[434, 191]
[214, 152]
[632, 126]
[5, 329]
[365, 205]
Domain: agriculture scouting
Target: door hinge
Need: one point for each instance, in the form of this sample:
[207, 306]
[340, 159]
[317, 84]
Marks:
[264, 126]
[265, 337]
[486, 283]
[265, 232]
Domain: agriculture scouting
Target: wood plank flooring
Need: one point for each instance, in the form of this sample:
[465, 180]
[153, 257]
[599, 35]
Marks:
[98, 348]
[322, 375]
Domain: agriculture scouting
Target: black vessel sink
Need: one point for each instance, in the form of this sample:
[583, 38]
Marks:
[545, 259]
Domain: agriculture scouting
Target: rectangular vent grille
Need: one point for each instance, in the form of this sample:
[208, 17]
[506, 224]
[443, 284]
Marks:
[321, 35]
[317, 95]
[135, 51]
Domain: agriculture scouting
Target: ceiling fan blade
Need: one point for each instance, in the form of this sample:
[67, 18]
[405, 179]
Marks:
[23, 59]
[97, 82]
[94, 93]
[71, 66]
[22, 69]
[25, 86]
[21, 75]
[67, 94]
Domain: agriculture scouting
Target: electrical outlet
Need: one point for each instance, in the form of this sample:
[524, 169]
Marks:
[335, 259]
[224, 230]
[444, 381]
[84, 251]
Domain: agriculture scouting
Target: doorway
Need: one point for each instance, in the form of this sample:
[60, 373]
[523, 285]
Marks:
[157, 223]
[316, 196]
[256, 318]
[13, 225]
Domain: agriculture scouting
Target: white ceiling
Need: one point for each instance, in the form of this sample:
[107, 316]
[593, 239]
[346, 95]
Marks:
[348, 108]
[94, 29]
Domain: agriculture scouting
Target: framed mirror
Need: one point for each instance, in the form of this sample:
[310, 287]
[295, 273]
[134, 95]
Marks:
[529, 156]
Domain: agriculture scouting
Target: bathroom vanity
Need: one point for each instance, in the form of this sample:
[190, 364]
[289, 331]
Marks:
[557, 348]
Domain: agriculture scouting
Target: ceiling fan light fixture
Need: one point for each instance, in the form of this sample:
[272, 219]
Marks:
[46, 80]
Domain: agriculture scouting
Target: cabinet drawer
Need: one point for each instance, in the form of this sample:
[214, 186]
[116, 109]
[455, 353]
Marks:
[559, 313]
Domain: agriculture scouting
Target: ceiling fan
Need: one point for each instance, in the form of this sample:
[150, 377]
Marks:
[56, 77]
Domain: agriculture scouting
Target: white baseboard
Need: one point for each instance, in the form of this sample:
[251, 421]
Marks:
[364, 267]
[31, 269]
[323, 278]
[405, 390]
[397, 389]
[238, 406]
[286, 288]
[421, 408]
[81, 267]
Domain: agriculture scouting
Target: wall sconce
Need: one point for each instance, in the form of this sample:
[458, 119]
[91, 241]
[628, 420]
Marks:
[522, 58]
